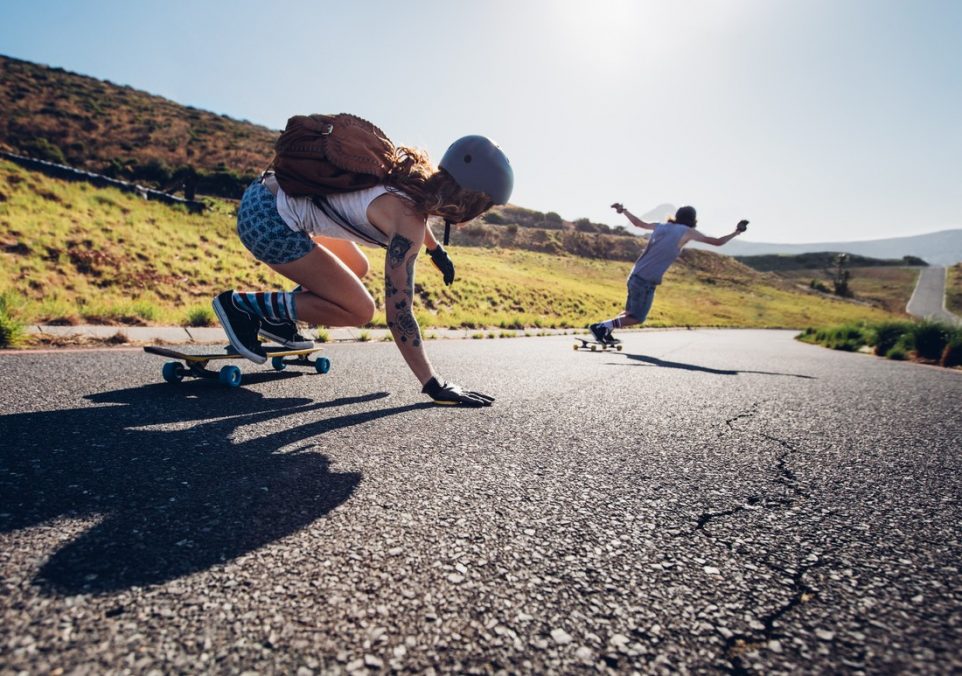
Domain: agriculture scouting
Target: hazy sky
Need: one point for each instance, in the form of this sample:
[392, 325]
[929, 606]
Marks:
[816, 119]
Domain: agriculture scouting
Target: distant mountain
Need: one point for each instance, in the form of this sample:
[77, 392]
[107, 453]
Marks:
[659, 214]
[936, 248]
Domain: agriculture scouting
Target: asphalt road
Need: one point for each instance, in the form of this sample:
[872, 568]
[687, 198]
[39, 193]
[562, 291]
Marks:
[928, 299]
[705, 500]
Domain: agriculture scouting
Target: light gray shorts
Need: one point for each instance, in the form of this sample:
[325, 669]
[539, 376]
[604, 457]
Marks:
[641, 293]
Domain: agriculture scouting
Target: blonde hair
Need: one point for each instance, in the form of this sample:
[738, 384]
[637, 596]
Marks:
[432, 191]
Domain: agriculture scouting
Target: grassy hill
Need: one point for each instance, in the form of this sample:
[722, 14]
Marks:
[73, 253]
[59, 116]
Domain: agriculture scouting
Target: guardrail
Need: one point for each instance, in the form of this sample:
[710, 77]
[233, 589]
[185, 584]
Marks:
[62, 171]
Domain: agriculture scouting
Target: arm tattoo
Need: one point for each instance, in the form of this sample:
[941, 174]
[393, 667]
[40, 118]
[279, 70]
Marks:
[397, 250]
[404, 322]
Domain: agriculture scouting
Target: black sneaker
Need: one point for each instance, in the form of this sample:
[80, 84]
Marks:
[241, 328]
[610, 339]
[286, 334]
[599, 332]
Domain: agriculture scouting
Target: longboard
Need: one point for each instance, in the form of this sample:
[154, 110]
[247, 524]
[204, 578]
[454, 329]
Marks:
[593, 345]
[195, 365]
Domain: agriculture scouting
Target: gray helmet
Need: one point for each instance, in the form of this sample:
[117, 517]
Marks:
[477, 163]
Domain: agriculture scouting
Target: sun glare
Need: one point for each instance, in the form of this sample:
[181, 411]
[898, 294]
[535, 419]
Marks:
[603, 32]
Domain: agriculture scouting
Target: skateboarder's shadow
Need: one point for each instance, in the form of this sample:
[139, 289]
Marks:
[168, 481]
[655, 361]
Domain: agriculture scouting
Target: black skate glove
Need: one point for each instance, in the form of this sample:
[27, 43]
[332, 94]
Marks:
[619, 207]
[449, 394]
[441, 261]
[742, 226]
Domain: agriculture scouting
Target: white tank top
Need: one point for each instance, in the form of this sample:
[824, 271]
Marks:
[340, 216]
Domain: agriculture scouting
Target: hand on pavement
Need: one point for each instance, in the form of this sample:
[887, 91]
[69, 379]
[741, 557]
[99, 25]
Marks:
[449, 394]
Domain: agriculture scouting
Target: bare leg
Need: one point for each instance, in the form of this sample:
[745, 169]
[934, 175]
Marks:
[349, 253]
[336, 297]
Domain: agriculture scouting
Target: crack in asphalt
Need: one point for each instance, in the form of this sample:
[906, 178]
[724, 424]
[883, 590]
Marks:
[738, 644]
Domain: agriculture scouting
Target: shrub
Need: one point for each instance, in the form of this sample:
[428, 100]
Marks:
[897, 353]
[952, 354]
[43, 149]
[364, 336]
[11, 331]
[847, 337]
[930, 339]
[887, 334]
[200, 315]
[322, 336]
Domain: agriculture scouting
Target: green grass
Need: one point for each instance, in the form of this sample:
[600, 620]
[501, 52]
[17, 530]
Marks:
[928, 341]
[200, 315]
[12, 332]
[76, 254]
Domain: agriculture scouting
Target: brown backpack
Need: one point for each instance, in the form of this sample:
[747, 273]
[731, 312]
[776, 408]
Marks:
[328, 154]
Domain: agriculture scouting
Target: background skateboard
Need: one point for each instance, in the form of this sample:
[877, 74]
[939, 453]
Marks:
[593, 345]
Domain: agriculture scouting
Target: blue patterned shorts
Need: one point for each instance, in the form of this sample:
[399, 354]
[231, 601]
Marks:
[264, 232]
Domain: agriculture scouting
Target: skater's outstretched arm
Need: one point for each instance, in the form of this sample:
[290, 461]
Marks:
[620, 208]
[695, 236]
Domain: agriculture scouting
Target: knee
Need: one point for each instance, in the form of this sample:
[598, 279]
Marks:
[364, 311]
[360, 267]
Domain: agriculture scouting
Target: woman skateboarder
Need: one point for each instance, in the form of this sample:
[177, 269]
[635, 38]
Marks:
[277, 228]
[664, 246]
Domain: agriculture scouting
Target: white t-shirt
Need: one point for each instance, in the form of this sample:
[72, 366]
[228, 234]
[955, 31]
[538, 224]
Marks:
[303, 214]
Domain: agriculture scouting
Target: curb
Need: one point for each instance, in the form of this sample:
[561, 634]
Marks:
[179, 335]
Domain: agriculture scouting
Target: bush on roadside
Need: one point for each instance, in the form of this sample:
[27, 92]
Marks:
[887, 334]
[930, 339]
[847, 337]
[12, 333]
[952, 354]
[896, 353]
[200, 315]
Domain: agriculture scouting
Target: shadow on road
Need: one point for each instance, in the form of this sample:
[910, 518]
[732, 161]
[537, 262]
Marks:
[170, 501]
[655, 361]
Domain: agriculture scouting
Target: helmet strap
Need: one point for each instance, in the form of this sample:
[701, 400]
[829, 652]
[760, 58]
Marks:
[447, 231]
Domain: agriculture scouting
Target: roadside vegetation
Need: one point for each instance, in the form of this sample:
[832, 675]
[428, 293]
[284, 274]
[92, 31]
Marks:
[74, 254]
[953, 289]
[887, 287]
[924, 341]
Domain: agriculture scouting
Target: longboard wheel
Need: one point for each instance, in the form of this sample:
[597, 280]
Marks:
[575, 346]
[618, 348]
[594, 348]
[230, 376]
[278, 363]
[322, 364]
[173, 372]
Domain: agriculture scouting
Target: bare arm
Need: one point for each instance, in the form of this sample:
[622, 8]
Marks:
[430, 241]
[637, 222]
[695, 236]
[402, 255]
